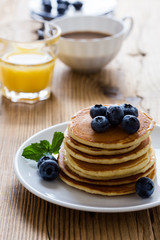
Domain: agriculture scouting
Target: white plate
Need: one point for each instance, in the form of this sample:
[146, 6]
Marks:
[61, 194]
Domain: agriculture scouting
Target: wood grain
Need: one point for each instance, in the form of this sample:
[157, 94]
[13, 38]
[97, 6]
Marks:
[134, 76]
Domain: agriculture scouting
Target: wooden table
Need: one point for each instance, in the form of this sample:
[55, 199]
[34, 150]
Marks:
[134, 77]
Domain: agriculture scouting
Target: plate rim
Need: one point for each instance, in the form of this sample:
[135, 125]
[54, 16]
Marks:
[69, 205]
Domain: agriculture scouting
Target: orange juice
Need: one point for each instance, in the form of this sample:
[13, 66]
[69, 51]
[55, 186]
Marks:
[26, 72]
[26, 60]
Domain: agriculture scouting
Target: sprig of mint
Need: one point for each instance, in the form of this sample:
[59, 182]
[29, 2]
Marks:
[37, 150]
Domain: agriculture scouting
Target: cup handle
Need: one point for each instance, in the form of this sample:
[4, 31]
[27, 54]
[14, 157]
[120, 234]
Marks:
[128, 29]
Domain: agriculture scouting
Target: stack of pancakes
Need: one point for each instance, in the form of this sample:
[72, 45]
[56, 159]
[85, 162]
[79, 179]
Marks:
[106, 163]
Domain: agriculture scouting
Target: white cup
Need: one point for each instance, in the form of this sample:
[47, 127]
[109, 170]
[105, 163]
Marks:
[90, 55]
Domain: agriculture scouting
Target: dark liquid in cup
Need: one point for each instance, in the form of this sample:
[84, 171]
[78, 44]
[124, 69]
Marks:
[86, 35]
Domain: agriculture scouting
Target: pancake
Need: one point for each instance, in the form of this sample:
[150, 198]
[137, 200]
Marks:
[109, 159]
[108, 171]
[114, 138]
[133, 178]
[95, 150]
[103, 189]
[107, 163]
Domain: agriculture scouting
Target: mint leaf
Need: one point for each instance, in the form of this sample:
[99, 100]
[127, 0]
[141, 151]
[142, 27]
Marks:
[45, 145]
[57, 141]
[37, 150]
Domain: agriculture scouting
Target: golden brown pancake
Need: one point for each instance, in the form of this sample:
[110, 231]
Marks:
[133, 178]
[103, 189]
[95, 150]
[109, 159]
[114, 138]
[108, 171]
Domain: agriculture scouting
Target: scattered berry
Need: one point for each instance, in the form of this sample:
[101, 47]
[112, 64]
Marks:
[115, 115]
[98, 110]
[130, 123]
[47, 5]
[100, 124]
[40, 34]
[44, 158]
[62, 8]
[144, 187]
[77, 5]
[66, 3]
[129, 109]
[49, 169]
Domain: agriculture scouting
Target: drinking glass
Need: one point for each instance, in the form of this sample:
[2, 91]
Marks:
[28, 51]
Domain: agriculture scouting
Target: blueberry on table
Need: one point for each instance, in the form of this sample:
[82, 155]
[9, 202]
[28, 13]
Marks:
[144, 187]
[49, 170]
[130, 124]
[100, 124]
[115, 115]
[129, 109]
[98, 110]
[44, 158]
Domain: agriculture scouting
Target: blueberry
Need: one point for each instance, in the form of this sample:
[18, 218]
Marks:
[130, 123]
[49, 169]
[98, 110]
[66, 3]
[47, 5]
[100, 124]
[144, 187]
[115, 115]
[44, 158]
[61, 8]
[40, 34]
[77, 5]
[129, 109]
